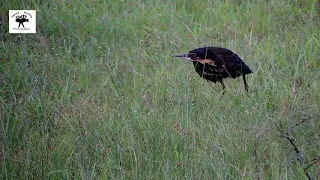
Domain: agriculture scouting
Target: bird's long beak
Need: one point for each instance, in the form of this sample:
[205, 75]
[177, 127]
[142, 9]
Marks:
[181, 55]
[185, 56]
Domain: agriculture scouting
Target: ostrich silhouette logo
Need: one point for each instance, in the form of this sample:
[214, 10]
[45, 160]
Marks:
[21, 19]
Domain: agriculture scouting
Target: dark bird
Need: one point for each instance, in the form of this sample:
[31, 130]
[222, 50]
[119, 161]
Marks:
[215, 63]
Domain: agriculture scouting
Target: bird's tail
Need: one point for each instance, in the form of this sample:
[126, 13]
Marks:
[246, 69]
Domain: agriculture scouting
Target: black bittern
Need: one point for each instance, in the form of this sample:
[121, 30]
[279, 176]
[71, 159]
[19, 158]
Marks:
[215, 63]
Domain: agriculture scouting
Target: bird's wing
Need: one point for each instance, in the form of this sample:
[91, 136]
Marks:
[229, 58]
[222, 51]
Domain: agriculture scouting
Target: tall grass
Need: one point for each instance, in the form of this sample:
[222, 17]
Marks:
[96, 94]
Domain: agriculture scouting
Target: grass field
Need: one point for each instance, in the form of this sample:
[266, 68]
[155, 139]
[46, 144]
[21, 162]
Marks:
[96, 94]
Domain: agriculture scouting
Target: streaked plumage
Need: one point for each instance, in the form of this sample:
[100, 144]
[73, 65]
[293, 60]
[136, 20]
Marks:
[215, 63]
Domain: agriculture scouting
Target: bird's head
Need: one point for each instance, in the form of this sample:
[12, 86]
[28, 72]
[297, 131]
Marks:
[201, 55]
[196, 55]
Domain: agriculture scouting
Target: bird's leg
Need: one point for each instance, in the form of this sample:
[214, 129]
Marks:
[245, 82]
[223, 87]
